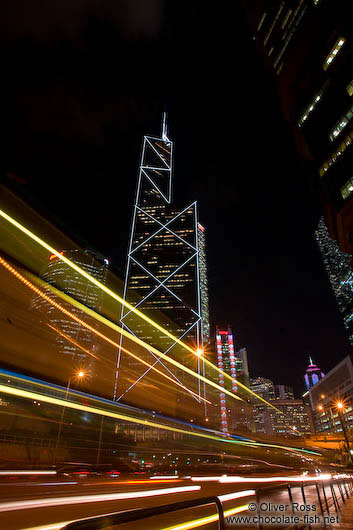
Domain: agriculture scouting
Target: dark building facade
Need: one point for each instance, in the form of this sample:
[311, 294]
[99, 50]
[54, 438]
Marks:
[307, 44]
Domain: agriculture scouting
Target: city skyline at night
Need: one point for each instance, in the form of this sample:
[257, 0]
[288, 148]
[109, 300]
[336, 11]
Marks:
[265, 272]
[176, 285]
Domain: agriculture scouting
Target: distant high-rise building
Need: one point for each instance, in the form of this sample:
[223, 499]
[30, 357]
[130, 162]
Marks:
[264, 387]
[72, 338]
[340, 273]
[226, 363]
[233, 417]
[203, 284]
[241, 366]
[313, 374]
[337, 385]
[292, 419]
[307, 45]
[262, 419]
[283, 392]
[166, 274]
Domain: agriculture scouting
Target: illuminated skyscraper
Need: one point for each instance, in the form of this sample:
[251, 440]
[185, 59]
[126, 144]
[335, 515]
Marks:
[313, 374]
[235, 364]
[72, 338]
[166, 276]
[203, 284]
[262, 418]
[314, 88]
[226, 363]
[340, 272]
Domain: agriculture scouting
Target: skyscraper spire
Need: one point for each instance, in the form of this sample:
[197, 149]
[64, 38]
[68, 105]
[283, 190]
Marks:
[313, 374]
[164, 126]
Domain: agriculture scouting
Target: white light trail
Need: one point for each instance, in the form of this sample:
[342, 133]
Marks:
[297, 478]
[34, 472]
[83, 499]
[236, 495]
[159, 477]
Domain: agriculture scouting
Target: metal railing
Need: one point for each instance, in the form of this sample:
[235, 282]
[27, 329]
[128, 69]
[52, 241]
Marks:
[96, 523]
[344, 488]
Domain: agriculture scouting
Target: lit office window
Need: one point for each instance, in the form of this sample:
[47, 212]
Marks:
[317, 97]
[261, 21]
[341, 124]
[350, 88]
[273, 23]
[285, 20]
[347, 189]
[337, 153]
[333, 53]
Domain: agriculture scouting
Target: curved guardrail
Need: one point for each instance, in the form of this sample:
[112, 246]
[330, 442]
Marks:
[340, 488]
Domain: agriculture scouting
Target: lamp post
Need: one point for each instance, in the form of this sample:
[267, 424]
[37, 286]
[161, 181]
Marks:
[78, 375]
[340, 407]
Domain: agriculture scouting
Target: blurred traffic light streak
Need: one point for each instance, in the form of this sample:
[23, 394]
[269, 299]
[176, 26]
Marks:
[131, 308]
[195, 432]
[87, 326]
[117, 328]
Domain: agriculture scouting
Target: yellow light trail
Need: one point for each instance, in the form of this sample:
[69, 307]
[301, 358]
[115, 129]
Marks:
[27, 394]
[69, 339]
[115, 327]
[206, 520]
[134, 310]
[91, 278]
[94, 410]
[87, 326]
[185, 526]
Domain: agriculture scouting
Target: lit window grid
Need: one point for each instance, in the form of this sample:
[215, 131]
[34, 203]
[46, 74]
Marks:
[347, 189]
[261, 21]
[341, 124]
[347, 142]
[339, 271]
[290, 34]
[273, 23]
[309, 109]
[349, 88]
[334, 52]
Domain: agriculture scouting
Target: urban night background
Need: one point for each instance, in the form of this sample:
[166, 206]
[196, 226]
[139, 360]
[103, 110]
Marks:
[176, 241]
[85, 81]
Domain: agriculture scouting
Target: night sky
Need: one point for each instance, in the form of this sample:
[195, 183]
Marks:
[84, 80]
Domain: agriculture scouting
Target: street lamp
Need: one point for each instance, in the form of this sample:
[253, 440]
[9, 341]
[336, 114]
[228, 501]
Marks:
[79, 375]
[340, 407]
